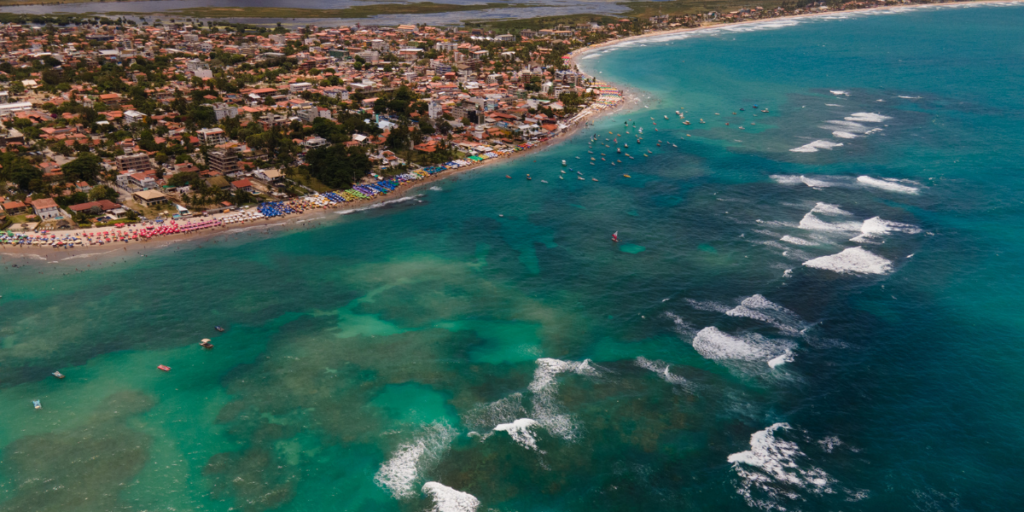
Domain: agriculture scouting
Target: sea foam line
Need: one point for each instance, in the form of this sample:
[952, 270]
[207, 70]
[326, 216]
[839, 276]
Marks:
[400, 472]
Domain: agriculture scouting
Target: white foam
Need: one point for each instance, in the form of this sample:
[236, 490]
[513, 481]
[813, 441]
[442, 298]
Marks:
[854, 260]
[401, 471]
[435, 188]
[846, 126]
[866, 117]
[708, 305]
[843, 135]
[661, 368]
[770, 471]
[505, 410]
[829, 209]
[789, 179]
[840, 93]
[682, 327]
[29, 255]
[875, 227]
[787, 357]
[520, 431]
[813, 147]
[873, 130]
[885, 184]
[910, 97]
[544, 387]
[377, 205]
[447, 499]
[757, 307]
[811, 222]
[716, 345]
[832, 105]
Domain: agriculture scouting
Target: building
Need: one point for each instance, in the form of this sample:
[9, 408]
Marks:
[138, 162]
[267, 175]
[243, 185]
[212, 136]
[299, 87]
[223, 161]
[47, 209]
[150, 197]
[223, 111]
[95, 207]
[13, 207]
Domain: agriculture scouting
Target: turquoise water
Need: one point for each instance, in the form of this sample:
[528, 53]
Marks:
[720, 357]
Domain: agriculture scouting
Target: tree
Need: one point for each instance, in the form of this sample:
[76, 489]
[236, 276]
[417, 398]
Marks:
[338, 166]
[86, 167]
[101, 192]
[17, 88]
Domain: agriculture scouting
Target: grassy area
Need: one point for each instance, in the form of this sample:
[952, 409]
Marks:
[542, 22]
[306, 180]
[358, 11]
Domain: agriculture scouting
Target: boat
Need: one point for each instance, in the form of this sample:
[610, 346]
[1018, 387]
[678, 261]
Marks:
[507, 176]
[205, 343]
[59, 375]
[626, 176]
[164, 368]
[563, 163]
[528, 178]
[595, 179]
[563, 172]
[580, 178]
[219, 328]
[561, 177]
[37, 404]
[615, 236]
[687, 123]
[666, 117]
[543, 181]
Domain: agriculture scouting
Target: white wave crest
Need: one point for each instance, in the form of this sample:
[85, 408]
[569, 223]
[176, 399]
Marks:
[770, 470]
[500, 411]
[889, 185]
[843, 135]
[797, 241]
[811, 222]
[661, 368]
[447, 499]
[757, 307]
[520, 432]
[786, 357]
[866, 117]
[708, 305]
[829, 209]
[840, 93]
[401, 471]
[436, 188]
[716, 345]
[875, 227]
[682, 327]
[813, 147]
[854, 260]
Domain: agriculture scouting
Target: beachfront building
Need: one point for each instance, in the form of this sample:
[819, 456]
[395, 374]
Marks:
[149, 198]
[47, 209]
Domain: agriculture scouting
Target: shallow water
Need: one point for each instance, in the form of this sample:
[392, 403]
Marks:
[829, 330]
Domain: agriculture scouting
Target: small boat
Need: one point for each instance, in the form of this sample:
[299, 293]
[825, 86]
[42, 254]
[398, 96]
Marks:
[164, 368]
[37, 404]
[666, 117]
[507, 176]
[595, 179]
[615, 237]
[581, 178]
[563, 163]
[219, 328]
[59, 375]
[543, 181]
[561, 177]
[205, 343]
[528, 178]
[626, 176]
[563, 172]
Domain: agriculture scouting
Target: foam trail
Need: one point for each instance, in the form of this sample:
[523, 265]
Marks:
[813, 147]
[519, 431]
[757, 307]
[544, 387]
[661, 368]
[887, 185]
[447, 499]
[829, 209]
[708, 305]
[398, 474]
[770, 471]
[797, 241]
[682, 327]
[854, 260]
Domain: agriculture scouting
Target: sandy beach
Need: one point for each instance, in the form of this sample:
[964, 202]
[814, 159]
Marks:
[591, 113]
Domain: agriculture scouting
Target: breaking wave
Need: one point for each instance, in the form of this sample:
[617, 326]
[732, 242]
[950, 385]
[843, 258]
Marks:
[401, 471]
[716, 345]
[889, 185]
[520, 432]
[447, 499]
[770, 471]
[866, 117]
[757, 307]
[661, 368]
[875, 227]
[854, 260]
[546, 409]
[814, 147]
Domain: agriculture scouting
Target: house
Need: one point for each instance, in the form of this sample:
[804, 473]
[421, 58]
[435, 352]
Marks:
[13, 207]
[82, 186]
[299, 87]
[47, 209]
[267, 175]
[243, 185]
[94, 207]
[150, 197]
[212, 136]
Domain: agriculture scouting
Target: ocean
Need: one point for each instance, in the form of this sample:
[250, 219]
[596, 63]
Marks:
[817, 312]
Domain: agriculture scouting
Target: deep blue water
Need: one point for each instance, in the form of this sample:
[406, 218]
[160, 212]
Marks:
[802, 330]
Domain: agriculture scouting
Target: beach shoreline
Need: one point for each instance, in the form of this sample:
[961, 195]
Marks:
[630, 99]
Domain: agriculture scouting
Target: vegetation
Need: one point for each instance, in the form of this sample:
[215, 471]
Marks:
[357, 11]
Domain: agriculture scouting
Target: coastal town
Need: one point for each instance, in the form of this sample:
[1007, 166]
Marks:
[115, 131]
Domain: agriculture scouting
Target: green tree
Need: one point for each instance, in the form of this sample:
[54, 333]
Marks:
[87, 167]
[338, 166]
